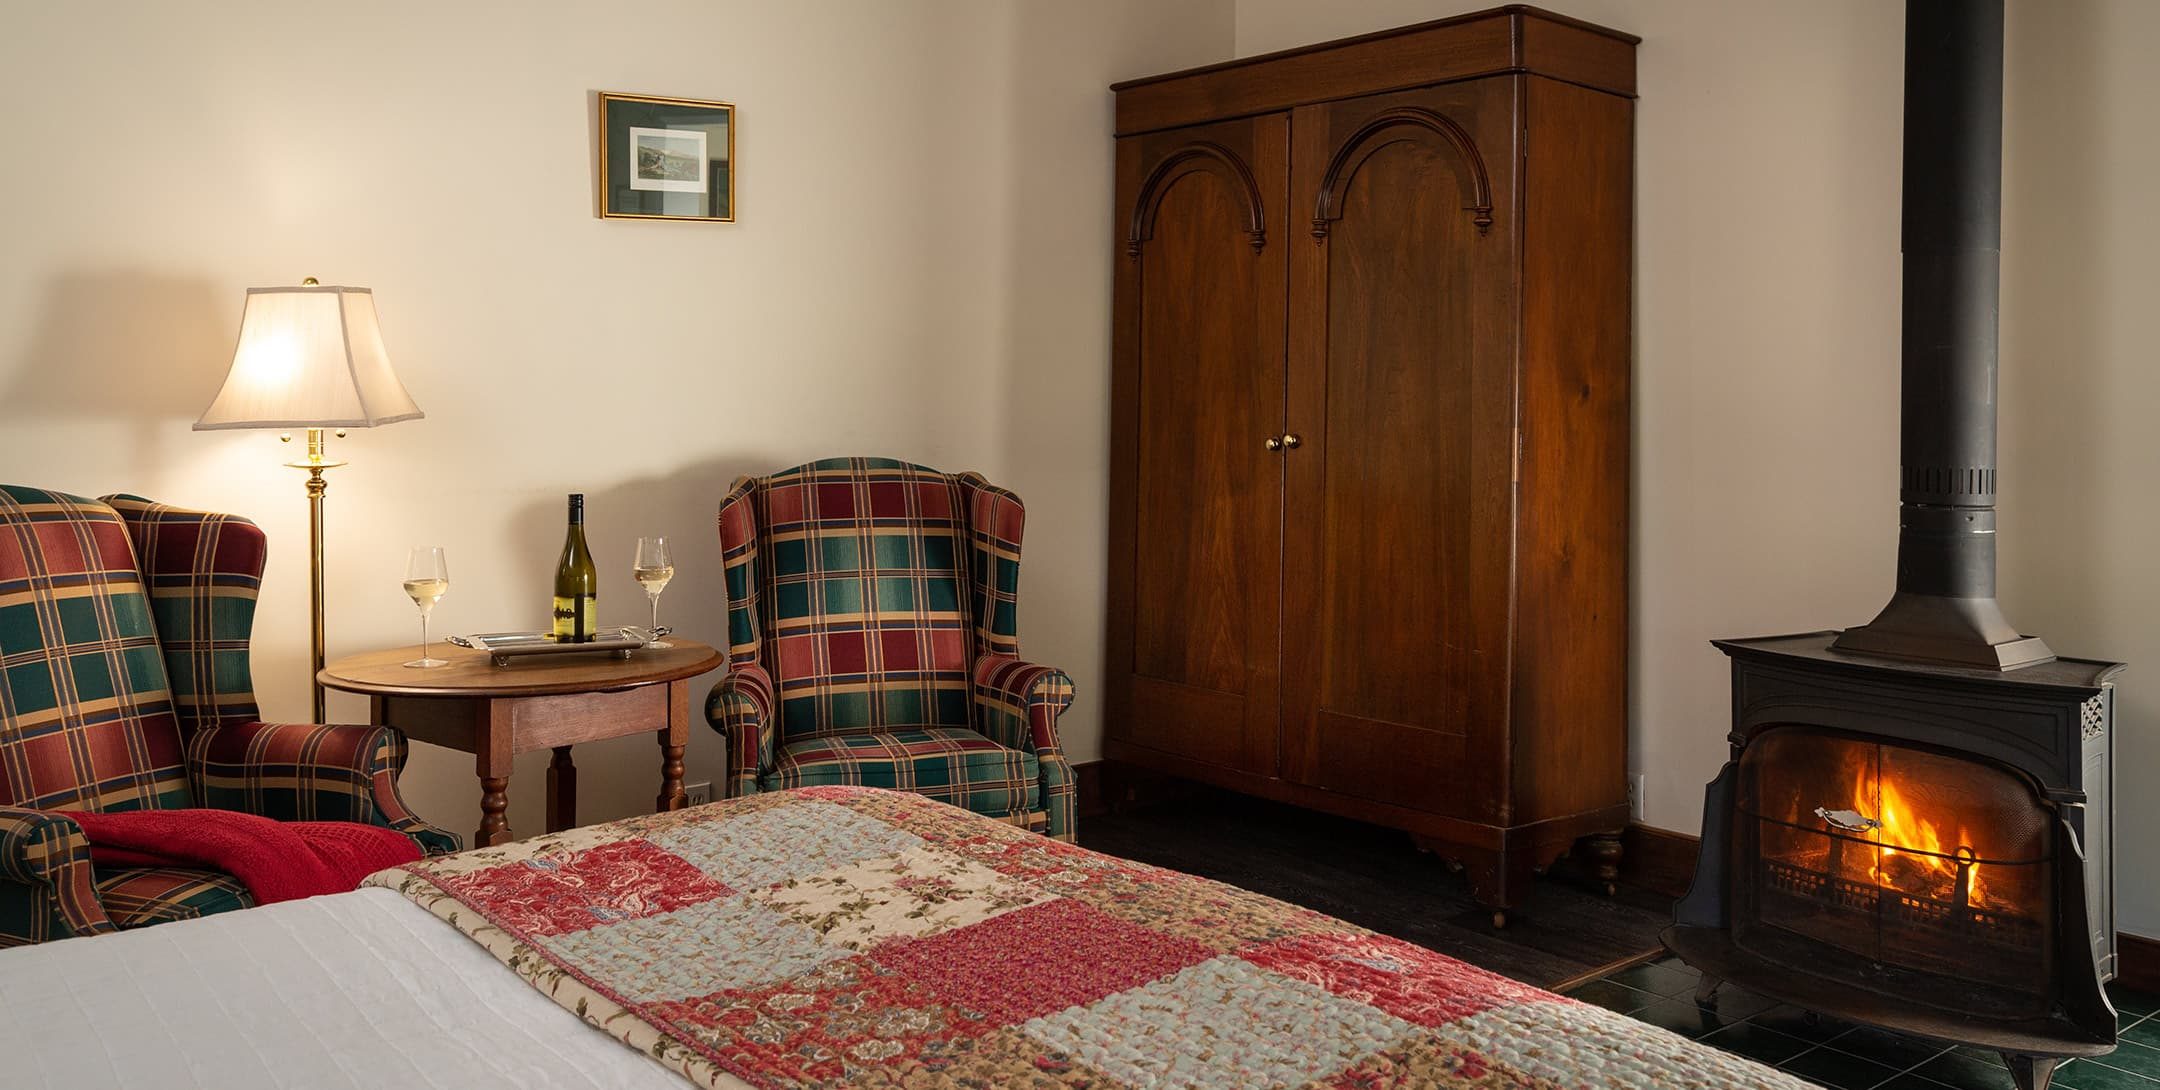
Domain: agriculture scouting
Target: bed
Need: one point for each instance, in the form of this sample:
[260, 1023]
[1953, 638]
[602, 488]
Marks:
[826, 937]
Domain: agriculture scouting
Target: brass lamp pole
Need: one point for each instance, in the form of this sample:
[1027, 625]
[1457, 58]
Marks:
[315, 463]
[310, 357]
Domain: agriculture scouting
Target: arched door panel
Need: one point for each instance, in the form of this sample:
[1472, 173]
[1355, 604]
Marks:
[1196, 492]
[1398, 499]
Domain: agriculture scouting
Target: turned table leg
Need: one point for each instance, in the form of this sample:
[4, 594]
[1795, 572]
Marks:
[492, 758]
[562, 792]
[672, 741]
[494, 800]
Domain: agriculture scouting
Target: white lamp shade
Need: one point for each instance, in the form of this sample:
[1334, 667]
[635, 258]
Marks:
[309, 357]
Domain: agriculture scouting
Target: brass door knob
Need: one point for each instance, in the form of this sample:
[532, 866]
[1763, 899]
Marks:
[1292, 441]
[1273, 443]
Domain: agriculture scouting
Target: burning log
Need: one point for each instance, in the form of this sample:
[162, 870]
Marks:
[1917, 875]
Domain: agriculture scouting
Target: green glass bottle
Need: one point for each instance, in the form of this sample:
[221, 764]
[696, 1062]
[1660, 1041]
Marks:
[577, 584]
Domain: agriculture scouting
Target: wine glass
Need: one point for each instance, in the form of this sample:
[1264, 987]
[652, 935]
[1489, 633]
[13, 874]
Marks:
[652, 569]
[427, 579]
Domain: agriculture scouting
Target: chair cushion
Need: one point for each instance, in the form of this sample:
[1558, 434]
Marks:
[866, 612]
[951, 764]
[86, 718]
[141, 896]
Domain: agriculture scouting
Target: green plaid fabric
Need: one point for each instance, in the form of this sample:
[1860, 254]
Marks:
[141, 896]
[203, 571]
[1018, 704]
[47, 887]
[124, 684]
[950, 764]
[307, 772]
[994, 521]
[864, 612]
[88, 720]
[740, 708]
[863, 595]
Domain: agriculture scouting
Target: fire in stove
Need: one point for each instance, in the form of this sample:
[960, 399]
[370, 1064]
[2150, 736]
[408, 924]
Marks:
[1902, 856]
[1906, 850]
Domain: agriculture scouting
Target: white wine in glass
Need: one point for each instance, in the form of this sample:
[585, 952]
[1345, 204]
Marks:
[427, 579]
[652, 569]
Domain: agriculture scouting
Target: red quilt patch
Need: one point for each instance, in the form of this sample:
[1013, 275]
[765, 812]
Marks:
[1040, 959]
[843, 1016]
[1409, 982]
[625, 880]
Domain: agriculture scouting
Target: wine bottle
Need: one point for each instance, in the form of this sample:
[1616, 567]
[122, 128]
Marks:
[577, 583]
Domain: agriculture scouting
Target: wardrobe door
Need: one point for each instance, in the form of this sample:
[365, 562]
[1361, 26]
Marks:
[1399, 494]
[1196, 490]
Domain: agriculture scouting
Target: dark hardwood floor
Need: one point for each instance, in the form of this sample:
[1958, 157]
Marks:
[1375, 878]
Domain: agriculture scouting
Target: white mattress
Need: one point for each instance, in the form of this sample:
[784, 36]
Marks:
[363, 989]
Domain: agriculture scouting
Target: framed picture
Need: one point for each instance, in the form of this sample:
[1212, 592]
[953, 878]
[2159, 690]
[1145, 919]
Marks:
[666, 158]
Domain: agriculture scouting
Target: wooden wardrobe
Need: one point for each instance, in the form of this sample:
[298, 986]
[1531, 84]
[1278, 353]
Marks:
[1369, 533]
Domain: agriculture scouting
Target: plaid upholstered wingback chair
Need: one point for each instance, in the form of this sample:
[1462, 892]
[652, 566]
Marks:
[871, 632]
[124, 685]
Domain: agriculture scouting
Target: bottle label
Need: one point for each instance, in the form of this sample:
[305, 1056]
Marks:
[575, 620]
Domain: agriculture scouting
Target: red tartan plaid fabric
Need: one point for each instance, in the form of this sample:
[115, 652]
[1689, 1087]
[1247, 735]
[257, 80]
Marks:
[1017, 704]
[864, 620]
[203, 571]
[89, 722]
[950, 764]
[51, 890]
[124, 629]
[994, 524]
[864, 596]
[740, 708]
[309, 772]
[141, 896]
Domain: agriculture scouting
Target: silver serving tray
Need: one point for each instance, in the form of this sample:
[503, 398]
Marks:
[502, 647]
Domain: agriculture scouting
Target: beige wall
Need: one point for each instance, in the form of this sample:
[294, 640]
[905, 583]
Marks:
[2080, 450]
[921, 270]
[1767, 180]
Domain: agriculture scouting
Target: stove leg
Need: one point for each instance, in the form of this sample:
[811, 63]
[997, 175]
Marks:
[2031, 1072]
[1706, 990]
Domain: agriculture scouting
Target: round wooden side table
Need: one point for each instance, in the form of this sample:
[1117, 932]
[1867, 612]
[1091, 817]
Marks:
[545, 702]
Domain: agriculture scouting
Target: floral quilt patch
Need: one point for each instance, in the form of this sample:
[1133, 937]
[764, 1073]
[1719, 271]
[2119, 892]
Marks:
[842, 937]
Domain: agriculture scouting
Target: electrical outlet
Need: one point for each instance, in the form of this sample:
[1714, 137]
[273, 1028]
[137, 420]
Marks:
[698, 794]
[1635, 796]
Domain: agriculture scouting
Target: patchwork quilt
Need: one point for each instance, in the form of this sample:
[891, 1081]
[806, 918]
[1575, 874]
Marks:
[853, 937]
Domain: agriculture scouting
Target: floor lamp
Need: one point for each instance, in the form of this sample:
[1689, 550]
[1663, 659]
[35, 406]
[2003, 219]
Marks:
[310, 357]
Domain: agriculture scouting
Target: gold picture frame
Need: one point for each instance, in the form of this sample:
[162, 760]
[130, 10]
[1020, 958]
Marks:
[655, 158]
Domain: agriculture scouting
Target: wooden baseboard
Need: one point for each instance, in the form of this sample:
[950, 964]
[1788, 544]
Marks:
[1658, 860]
[1106, 785]
[2137, 962]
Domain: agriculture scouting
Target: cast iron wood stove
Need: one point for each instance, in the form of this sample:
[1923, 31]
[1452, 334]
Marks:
[1914, 828]
[1921, 847]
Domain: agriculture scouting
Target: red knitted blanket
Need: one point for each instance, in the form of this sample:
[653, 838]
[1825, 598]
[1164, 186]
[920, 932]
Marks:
[276, 860]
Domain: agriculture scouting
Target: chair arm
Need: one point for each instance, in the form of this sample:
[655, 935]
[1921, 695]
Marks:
[45, 855]
[741, 709]
[1017, 703]
[309, 772]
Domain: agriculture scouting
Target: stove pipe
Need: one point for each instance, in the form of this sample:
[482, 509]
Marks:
[1945, 609]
